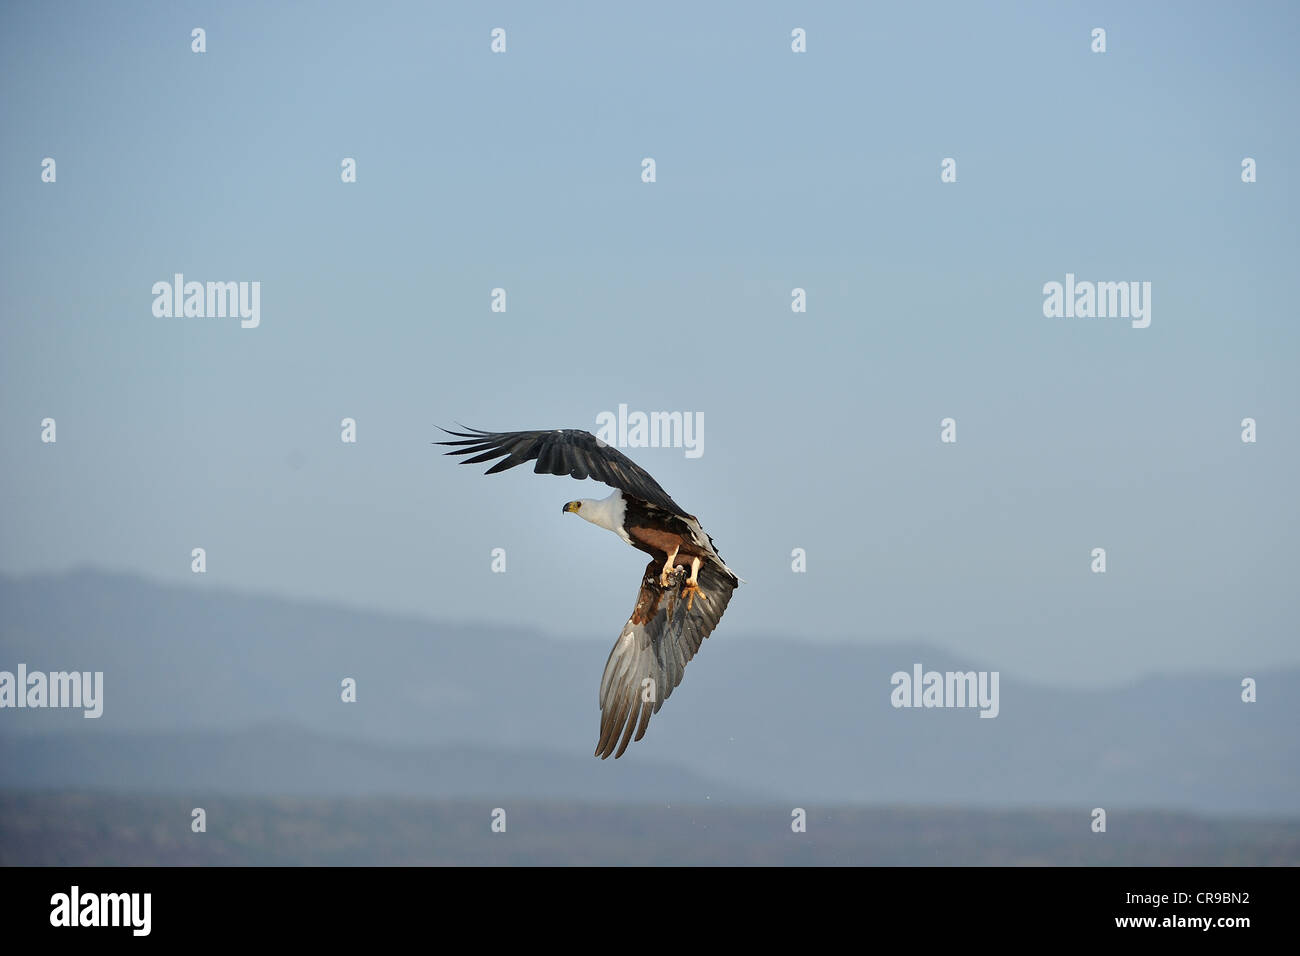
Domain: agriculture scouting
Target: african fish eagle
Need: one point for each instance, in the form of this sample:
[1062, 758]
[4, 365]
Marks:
[665, 629]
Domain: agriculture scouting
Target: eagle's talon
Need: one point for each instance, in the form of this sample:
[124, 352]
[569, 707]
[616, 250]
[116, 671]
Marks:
[689, 590]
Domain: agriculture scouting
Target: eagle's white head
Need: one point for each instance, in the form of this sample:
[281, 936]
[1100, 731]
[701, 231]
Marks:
[606, 513]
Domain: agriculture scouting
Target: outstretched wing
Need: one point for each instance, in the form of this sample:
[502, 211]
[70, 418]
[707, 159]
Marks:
[651, 654]
[565, 451]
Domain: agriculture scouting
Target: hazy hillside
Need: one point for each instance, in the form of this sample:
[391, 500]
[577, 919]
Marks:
[456, 708]
[285, 760]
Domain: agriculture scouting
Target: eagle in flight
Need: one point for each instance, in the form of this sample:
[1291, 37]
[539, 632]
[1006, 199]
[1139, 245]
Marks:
[685, 588]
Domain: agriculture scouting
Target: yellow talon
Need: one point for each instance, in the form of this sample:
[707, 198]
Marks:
[689, 591]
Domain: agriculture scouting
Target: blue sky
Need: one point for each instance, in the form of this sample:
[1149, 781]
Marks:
[774, 170]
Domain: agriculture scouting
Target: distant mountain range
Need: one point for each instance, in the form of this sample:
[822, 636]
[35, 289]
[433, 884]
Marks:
[289, 761]
[208, 690]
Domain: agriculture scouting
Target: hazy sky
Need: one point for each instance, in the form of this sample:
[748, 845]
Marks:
[775, 170]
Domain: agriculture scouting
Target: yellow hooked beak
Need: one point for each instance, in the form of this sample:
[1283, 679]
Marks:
[572, 506]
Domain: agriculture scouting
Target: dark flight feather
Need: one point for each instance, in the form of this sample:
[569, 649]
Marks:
[567, 451]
